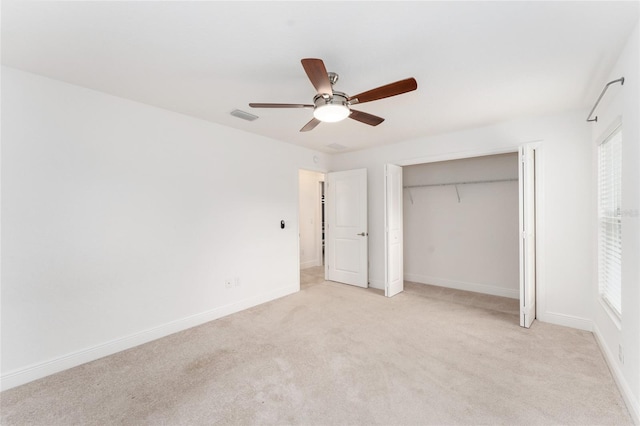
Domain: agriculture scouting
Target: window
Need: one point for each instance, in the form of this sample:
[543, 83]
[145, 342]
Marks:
[610, 220]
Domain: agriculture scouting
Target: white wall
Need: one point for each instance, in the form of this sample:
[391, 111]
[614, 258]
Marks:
[470, 243]
[310, 218]
[121, 223]
[565, 191]
[624, 102]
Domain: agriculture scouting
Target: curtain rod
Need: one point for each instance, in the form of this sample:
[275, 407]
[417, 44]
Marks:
[619, 80]
[462, 183]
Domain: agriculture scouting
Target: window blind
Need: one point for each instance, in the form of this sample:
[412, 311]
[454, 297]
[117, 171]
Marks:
[610, 220]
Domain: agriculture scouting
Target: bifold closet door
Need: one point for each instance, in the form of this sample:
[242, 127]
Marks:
[393, 247]
[527, 235]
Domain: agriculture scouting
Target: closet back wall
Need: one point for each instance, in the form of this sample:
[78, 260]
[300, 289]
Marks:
[471, 242]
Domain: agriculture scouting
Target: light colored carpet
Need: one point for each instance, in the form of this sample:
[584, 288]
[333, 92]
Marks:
[334, 354]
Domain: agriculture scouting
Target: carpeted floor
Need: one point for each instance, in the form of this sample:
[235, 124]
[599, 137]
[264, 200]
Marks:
[335, 355]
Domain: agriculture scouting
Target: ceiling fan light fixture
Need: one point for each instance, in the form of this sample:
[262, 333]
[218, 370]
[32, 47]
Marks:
[331, 113]
[331, 109]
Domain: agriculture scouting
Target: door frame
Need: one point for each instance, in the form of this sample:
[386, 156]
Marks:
[538, 146]
[318, 207]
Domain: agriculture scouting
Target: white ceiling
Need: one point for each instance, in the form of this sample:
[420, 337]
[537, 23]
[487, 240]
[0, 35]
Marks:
[476, 63]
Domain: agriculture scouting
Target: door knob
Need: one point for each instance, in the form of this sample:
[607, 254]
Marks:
[362, 234]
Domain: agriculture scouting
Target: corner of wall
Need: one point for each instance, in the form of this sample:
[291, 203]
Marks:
[632, 404]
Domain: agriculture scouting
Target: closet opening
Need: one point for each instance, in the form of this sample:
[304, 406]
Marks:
[462, 232]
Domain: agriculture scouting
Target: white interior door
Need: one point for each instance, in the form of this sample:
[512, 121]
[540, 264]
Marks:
[527, 236]
[346, 227]
[394, 268]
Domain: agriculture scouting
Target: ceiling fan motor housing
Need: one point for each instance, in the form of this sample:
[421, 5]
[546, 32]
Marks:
[333, 78]
[331, 108]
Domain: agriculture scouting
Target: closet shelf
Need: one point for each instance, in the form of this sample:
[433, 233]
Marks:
[462, 183]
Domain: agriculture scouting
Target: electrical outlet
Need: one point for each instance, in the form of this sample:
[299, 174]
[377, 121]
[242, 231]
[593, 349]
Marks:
[620, 354]
[228, 283]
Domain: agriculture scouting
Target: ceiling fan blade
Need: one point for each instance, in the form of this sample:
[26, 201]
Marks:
[317, 73]
[366, 118]
[392, 89]
[262, 105]
[310, 125]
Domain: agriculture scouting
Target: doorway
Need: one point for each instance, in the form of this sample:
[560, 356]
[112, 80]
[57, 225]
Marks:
[469, 224]
[333, 225]
[311, 226]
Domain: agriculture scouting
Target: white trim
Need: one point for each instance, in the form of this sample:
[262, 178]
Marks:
[614, 124]
[298, 226]
[37, 371]
[613, 316]
[462, 285]
[632, 403]
[541, 295]
[464, 154]
[377, 284]
[310, 264]
[318, 221]
[565, 320]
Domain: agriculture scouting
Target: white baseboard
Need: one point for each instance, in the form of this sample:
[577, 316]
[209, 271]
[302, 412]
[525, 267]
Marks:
[632, 402]
[310, 264]
[378, 284]
[466, 286]
[37, 371]
[565, 320]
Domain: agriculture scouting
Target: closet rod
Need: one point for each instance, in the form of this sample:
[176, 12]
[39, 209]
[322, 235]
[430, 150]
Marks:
[619, 80]
[462, 183]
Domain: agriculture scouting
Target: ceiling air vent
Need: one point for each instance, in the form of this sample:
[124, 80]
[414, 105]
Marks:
[337, 146]
[243, 115]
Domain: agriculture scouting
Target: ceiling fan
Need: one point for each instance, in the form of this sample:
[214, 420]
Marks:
[332, 106]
